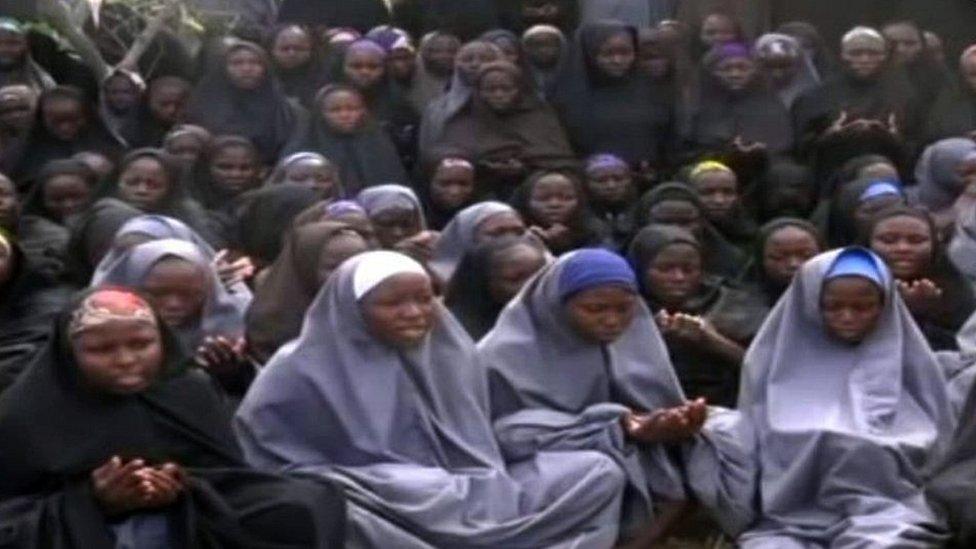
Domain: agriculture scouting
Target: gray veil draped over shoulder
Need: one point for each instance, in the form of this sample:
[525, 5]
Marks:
[407, 433]
[844, 431]
[551, 390]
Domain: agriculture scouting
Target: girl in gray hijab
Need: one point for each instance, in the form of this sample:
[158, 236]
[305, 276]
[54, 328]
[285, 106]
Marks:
[472, 225]
[203, 308]
[394, 408]
[849, 404]
[556, 385]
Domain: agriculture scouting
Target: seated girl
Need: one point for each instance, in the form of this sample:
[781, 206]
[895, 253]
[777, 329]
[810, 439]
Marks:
[553, 205]
[849, 404]
[111, 440]
[706, 323]
[782, 247]
[382, 393]
[574, 358]
[937, 294]
[398, 220]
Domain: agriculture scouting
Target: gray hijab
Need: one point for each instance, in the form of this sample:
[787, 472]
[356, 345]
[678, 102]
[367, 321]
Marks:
[222, 313]
[459, 236]
[938, 184]
[843, 431]
[536, 360]
[388, 197]
[159, 227]
[806, 78]
[407, 432]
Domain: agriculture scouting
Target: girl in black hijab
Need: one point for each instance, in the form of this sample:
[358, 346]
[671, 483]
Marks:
[100, 457]
[343, 131]
[65, 125]
[240, 96]
[63, 188]
[940, 298]
[230, 166]
[606, 103]
[29, 302]
[162, 107]
[735, 106]
[954, 112]
[297, 62]
[677, 204]
[553, 205]
[706, 324]
[488, 277]
[782, 246]
[149, 180]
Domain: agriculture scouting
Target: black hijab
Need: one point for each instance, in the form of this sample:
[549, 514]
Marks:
[42, 146]
[587, 231]
[177, 203]
[29, 301]
[364, 158]
[34, 204]
[264, 216]
[92, 234]
[721, 257]
[755, 275]
[301, 83]
[622, 116]
[263, 115]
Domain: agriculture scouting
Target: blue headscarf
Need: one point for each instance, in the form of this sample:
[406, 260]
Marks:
[882, 187]
[593, 267]
[857, 261]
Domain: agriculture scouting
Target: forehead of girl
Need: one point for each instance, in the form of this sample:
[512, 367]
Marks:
[342, 96]
[553, 182]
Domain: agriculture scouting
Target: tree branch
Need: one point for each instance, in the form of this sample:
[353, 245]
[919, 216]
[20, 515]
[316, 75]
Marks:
[56, 13]
[146, 37]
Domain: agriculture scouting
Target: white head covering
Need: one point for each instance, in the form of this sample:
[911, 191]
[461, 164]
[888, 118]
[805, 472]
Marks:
[372, 268]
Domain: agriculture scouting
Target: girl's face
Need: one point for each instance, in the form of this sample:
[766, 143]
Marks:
[719, 192]
[235, 169]
[344, 111]
[718, 29]
[121, 357]
[779, 68]
[511, 269]
[401, 63]
[498, 226]
[292, 48]
[16, 111]
[314, 174]
[65, 195]
[674, 275]
[144, 183]
[64, 118]
[395, 225]
[785, 251]
[680, 213]
[13, 49]
[401, 310]
[906, 42]
[364, 68]
[168, 103]
[616, 55]
[470, 59]
[601, 315]
[186, 148]
[906, 244]
[499, 90]
[177, 289]
[438, 55]
[543, 50]
[452, 186]
[851, 307]
[862, 60]
[338, 249]
[121, 94]
[735, 74]
[554, 199]
[611, 185]
[246, 69]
